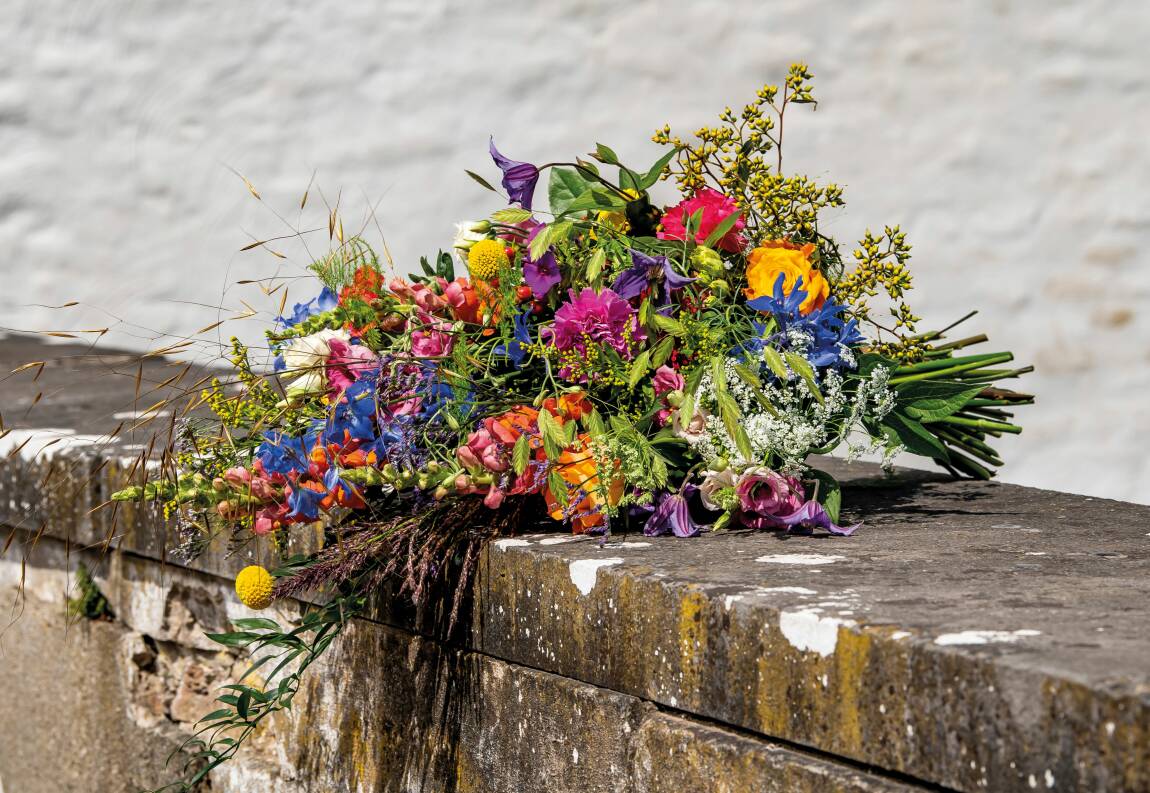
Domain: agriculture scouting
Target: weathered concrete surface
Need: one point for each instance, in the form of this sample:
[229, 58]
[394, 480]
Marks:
[970, 636]
[100, 705]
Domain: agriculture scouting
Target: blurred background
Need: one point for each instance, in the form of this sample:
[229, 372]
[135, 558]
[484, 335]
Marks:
[1008, 139]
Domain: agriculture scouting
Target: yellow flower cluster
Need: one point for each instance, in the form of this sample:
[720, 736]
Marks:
[254, 586]
[486, 259]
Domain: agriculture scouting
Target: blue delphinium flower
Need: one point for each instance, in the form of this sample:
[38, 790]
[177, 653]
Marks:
[304, 502]
[325, 301]
[516, 349]
[283, 454]
[824, 336]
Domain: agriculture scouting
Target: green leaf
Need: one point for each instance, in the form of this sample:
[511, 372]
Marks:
[216, 715]
[511, 215]
[662, 352]
[243, 704]
[256, 623]
[481, 180]
[520, 454]
[656, 170]
[802, 368]
[604, 153]
[743, 443]
[729, 412]
[916, 438]
[670, 325]
[557, 486]
[639, 368]
[933, 400]
[830, 493]
[775, 362]
[628, 179]
[563, 186]
[596, 198]
[554, 439]
[541, 243]
[719, 372]
[595, 425]
[236, 639]
[595, 265]
[720, 230]
[868, 361]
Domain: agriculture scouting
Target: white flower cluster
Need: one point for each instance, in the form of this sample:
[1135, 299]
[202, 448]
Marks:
[800, 423]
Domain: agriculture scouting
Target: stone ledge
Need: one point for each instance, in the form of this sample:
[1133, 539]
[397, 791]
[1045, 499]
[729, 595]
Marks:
[385, 710]
[972, 636]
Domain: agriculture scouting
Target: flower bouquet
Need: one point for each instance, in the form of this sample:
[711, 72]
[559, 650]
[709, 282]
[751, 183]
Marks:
[625, 365]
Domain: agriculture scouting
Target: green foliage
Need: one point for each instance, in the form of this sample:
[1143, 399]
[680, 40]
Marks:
[89, 602]
[283, 657]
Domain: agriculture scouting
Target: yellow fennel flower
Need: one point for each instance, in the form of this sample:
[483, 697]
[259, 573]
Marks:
[254, 586]
[485, 259]
[766, 262]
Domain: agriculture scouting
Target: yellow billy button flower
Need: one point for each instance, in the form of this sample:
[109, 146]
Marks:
[254, 586]
[485, 259]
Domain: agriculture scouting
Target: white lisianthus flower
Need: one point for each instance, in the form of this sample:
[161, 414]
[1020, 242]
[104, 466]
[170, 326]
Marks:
[307, 356]
[695, 430]
[713, 483]
[467, 233]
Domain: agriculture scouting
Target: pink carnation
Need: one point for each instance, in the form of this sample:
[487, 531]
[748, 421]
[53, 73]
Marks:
[598, 317]
[716, 208]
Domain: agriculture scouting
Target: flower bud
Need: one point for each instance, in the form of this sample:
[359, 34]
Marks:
[440, 493]
[674, 398]
[719, 464]
[707, 260]
[219, 485]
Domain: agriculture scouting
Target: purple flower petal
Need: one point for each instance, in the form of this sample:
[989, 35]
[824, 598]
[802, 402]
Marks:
[519, 178]
[812, 515]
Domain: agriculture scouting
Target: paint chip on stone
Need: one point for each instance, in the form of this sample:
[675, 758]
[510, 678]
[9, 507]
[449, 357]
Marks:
[808, 631]
[585, 572]
[801, 558]
[511, 542]
[984, 637]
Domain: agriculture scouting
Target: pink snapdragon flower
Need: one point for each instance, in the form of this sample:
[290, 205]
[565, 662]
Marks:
[346, 363]
[433, 340]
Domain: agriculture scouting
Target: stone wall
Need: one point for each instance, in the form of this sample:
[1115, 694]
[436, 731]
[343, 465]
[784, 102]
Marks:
[971, 636]
[1006, 138]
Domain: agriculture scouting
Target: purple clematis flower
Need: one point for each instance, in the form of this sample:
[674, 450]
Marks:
[644, 271]
[671, 515]
[542, 275]
[519, 178]
[811, 515]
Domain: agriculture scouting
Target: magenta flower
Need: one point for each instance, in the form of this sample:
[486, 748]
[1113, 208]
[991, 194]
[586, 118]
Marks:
[768, 500]
[597, 318]
[346, 363]
[716, 208]
[434, 339]
[519, 178]
[666, 380]
[765, 497]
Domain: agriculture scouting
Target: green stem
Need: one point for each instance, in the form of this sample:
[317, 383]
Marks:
[982, 424]
[940, 372]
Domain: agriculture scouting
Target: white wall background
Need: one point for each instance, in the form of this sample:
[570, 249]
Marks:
[1010, 139]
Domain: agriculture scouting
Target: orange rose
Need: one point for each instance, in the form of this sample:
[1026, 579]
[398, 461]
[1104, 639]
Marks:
[771, 259]
[584, 507]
